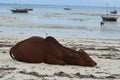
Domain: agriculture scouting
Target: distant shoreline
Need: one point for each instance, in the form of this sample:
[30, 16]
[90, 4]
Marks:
[54, 5]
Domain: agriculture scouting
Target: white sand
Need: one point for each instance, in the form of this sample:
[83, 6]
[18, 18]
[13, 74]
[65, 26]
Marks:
[106, 52]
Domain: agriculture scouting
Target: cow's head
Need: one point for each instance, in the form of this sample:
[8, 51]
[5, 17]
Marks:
[80, 58]
[83, 59]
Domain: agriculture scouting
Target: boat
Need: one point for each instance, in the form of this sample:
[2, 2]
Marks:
[114, 12]
[19, 10]
[110, 17]
[67, 8]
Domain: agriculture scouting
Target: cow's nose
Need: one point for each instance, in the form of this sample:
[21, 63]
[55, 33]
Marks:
[94, 64]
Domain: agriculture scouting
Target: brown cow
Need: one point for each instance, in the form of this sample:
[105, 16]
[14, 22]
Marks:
[49, 50]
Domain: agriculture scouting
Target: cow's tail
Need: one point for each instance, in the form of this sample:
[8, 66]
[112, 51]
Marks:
[12, 52]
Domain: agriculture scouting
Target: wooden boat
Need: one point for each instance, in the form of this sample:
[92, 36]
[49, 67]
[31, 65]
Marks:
[67, 8]
[110, 17]
[17, 10]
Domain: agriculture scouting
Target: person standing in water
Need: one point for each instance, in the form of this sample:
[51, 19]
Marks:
[101, 23]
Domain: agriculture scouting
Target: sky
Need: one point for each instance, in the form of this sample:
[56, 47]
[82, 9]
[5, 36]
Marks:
[111, 3]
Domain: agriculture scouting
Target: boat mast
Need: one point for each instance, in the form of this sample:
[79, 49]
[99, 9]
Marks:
[106, 8]
[15, 4]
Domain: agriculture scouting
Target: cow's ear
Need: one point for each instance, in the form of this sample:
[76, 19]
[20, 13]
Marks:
[78, 50]
[81, 51]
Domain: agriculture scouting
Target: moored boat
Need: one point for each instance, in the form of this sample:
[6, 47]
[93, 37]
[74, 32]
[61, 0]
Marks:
[114, 12]
[67, 8]
[110, 17]
[17, 10]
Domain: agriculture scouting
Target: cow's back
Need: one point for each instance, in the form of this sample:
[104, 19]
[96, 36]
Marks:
[64, 51]
[30, 50]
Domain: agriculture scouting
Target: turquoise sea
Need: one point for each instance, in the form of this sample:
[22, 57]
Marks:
[80, 21]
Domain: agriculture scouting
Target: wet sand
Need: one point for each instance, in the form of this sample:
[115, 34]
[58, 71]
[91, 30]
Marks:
[106, 52]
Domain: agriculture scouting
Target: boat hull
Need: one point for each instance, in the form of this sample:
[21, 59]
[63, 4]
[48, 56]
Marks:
[67, 8]
[113, 12]
[19, 10]
[109, 18]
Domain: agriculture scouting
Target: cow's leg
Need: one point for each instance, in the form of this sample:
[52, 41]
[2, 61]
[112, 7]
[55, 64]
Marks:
[54, 60]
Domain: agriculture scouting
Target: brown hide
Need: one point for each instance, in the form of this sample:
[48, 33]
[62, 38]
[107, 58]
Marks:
[49, 50]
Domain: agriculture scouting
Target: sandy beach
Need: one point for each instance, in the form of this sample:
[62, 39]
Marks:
[101, 43]
[106, 52]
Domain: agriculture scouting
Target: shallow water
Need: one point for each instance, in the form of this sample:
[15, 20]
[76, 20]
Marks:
[79, 21]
